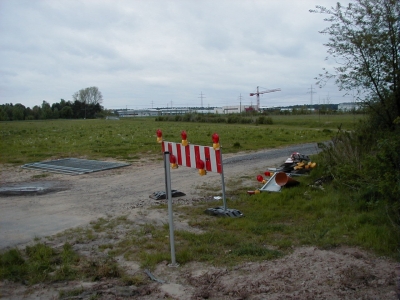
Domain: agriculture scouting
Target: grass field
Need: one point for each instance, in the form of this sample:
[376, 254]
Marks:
[130, 139]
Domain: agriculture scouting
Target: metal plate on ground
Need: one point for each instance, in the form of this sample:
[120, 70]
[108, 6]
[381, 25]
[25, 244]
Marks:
[219, 211]
[271, 185]
[24, 190]
[161, 194]
[74, 166]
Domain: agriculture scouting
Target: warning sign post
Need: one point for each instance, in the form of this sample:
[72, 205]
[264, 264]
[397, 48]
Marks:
[168, 193]
[205, 159]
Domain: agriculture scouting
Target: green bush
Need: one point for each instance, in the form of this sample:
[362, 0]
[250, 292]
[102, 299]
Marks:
[187, 117]
[41, 263]
[246, 120]
[12, 266]
[366, 165]
[268, 120]
[233, 119]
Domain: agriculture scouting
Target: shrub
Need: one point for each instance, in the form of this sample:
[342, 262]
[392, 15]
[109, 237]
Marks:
[186, 117]
[260, 120]
[236, 145]
[268, 120]
[233, 119]
[366, 163]
[246, 120]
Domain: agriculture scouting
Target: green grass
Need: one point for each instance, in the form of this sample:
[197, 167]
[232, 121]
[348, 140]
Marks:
[41, 263]
[37, 263]
[272, 226]
[329, 122]
[276, 222]
[71, 293]
[135, 138]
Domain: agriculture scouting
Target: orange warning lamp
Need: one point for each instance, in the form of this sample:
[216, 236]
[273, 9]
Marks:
[159, 136]
[201, 167]
[215, 138]
[261, 179]
[172, 162]
[184, 138]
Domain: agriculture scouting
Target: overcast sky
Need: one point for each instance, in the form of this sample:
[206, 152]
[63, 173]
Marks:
[159, 53]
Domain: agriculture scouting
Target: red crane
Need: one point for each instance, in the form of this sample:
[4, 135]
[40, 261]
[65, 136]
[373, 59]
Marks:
[258, 93]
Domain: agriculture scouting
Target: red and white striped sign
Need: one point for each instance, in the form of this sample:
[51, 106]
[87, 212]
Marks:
[191, 155]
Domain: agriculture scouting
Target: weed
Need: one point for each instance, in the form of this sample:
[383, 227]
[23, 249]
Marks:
[68, 259]
[12, 266]
[248, 249]
[41, 263]
[236, 145]
[137, 279]
[106, 246]
[44, 175]
[70, 293]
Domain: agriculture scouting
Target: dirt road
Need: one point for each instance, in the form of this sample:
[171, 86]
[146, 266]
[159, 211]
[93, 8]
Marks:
[68, 201]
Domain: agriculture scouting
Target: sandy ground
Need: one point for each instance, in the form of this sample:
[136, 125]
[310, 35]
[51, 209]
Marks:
[70, 201]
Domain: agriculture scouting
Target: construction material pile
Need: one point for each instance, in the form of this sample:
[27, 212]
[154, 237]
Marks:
[297, 164]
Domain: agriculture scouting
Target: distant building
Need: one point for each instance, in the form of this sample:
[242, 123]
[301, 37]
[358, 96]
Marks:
[128, 113]
[349, 106]
[173, 111]
[232, 109]
[154, 112]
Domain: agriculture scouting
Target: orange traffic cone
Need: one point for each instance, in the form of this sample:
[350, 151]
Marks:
[282, 179]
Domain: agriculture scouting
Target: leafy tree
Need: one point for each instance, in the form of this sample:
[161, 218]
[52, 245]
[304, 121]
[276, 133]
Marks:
[3, 113]
[36, 112]
[46, 112]
[18, 112]
[66, 112]
[87, 102]
[56, 113]
[90, 95]
[78, 109]
[63, 109]
[29, 114]
[364, 38]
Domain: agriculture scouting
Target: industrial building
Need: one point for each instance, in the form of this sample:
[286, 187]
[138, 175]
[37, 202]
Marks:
[231, 109]
[349, 106]
[154, 112]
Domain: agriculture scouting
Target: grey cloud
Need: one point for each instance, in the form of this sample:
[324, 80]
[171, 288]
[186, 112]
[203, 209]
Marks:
[142, 52]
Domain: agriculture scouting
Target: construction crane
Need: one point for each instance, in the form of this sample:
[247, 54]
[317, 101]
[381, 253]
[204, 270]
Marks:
[258, 93]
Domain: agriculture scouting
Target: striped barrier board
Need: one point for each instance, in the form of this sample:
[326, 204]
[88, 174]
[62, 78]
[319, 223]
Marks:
[191, 155]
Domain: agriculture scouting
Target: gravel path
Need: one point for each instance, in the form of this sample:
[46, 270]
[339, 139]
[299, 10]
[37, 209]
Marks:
[67, 201]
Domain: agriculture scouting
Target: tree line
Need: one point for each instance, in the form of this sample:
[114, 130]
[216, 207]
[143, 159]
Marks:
[86, 104]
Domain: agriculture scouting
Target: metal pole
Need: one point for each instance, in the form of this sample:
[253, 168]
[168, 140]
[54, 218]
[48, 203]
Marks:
[222, 178]
[168, 193]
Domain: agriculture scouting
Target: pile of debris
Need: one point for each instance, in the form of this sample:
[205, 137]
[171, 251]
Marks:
[296, 165]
